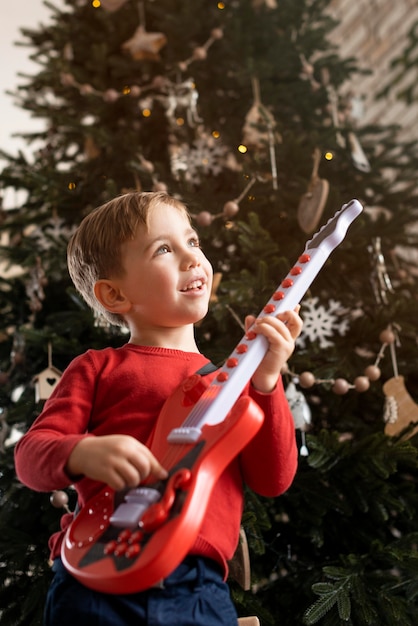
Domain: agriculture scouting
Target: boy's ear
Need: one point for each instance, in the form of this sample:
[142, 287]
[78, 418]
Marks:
[111, 297]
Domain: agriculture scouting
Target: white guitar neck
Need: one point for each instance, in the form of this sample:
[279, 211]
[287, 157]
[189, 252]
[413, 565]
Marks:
[220, 396]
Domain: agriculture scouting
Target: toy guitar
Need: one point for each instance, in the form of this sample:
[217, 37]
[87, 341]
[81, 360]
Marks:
[124, 542]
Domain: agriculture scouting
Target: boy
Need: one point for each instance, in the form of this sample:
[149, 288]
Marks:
[137, 260]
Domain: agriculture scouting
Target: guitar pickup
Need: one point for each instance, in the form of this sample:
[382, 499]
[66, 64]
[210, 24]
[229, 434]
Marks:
[128, 514]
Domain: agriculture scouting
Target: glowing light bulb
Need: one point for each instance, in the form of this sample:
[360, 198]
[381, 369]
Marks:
[216, 134]
[71, 186]
[243, 149]
[221, 5]
[146, 112]
[329, 156]
[95, 4]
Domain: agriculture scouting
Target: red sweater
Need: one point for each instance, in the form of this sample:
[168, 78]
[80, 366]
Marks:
[122, 391]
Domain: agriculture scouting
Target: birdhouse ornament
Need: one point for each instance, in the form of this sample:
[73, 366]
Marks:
[46, 381]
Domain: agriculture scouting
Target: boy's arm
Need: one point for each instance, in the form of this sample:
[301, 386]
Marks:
[269, 461]
[58, 450]
[42, 453]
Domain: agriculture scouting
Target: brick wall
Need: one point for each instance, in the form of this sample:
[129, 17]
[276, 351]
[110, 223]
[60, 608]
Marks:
[375, 32]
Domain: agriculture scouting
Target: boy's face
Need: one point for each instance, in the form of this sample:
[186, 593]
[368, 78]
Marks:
[167, 277]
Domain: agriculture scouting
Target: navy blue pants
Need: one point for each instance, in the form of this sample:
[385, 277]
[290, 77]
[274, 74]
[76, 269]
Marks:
[193, 595]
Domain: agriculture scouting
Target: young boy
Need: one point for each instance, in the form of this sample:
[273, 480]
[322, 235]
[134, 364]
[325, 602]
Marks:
[137, 260]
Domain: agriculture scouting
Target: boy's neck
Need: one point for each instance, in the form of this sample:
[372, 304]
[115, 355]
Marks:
[172, 338]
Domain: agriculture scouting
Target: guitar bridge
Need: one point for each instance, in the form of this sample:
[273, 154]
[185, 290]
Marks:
[184, 435]
[129, 513]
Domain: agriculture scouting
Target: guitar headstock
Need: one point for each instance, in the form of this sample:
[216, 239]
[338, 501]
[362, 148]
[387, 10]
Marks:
[334, 231]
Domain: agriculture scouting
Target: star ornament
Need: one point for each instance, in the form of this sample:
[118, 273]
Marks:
[145, 46]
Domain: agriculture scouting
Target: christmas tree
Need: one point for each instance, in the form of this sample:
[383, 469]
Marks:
[236, 108]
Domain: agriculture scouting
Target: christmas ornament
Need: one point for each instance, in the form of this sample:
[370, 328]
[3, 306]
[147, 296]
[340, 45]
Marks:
[357, 153]
[333, 104]
[312, 203]
[205, 157]
[59, 500]
[145, 46]
[401, 411]
[200, 52]
[300, 411]
[307, 73]
[35, 286]
[182, 95]
[258, 130]
[230, 208]
[380, 280]
[46, 381]
[321, 323]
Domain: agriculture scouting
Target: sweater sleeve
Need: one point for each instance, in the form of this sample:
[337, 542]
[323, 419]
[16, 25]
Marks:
[269, 461]
[41, 454]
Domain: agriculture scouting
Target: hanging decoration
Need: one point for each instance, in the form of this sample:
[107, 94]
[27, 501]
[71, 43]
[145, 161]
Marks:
[230, 208]
[200, 53]
[144, 45]
[35, 286]
[312, 203]
[258, 130]
[46, 381]
[177, 96]
[380, 279]
[59, 500]
[301, 413]
[205, 157]
[400, 410]
[320, 323]
[357, 153]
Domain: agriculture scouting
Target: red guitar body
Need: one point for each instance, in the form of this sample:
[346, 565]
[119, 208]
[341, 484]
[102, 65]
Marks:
[125, 560]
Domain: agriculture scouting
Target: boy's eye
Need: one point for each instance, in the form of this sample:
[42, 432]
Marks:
[163, 249]
[194, 242]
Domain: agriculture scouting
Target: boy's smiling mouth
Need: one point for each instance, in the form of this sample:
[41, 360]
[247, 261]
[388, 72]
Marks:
[195, 284]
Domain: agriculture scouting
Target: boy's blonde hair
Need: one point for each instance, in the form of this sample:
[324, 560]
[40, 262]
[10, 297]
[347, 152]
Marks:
[94, 251]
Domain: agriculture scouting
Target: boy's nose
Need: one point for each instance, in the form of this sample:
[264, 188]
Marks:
[190, 259]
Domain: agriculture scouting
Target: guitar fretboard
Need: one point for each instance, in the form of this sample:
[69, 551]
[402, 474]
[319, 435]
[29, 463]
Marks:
[220, 396]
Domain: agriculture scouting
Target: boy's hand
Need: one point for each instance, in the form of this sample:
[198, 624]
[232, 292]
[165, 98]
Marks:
[118, 460]
[281, 333]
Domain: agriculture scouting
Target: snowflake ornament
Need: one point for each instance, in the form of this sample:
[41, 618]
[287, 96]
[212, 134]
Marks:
[52, 233]
[321, 324]
[207, 156]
